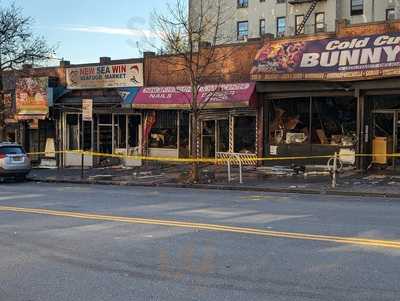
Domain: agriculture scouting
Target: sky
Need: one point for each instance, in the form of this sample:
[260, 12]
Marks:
[84, 30]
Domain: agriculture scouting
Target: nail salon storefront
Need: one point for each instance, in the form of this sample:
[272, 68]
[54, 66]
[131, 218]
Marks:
[336, 92]
[227, 123]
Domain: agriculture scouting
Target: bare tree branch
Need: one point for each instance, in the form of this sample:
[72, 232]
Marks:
[189, 40]
[18, 45]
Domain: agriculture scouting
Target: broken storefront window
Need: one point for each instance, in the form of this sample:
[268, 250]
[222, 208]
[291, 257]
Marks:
[164, 133]
[323, 120]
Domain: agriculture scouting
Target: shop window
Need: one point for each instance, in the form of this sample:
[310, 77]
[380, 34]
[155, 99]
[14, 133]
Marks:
[164, 133]
[289, 121]
[208, 138]
[86, 135]
[72, 127]
[120, 132]
[334, 121]
[384, 102]
[223, 135]
[184, 136]
[126, 131]
[245, 134]
[134, 122]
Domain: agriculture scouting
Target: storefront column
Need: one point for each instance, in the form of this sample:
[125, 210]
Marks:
[260, 128]
[178, 131]
[361, 129]
[265, 125]
[231, 134]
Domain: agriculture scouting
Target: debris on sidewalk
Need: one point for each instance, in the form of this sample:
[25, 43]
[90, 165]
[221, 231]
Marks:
[276, 178]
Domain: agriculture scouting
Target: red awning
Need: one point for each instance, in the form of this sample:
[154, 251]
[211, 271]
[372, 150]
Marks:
[212, 96]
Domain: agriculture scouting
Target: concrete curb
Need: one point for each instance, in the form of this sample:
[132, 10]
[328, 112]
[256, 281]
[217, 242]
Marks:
[226, 187]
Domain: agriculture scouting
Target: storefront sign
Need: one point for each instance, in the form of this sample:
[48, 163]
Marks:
[105, 76]
[212, 96]
[329, 59]
[31, 98]
[87, 109]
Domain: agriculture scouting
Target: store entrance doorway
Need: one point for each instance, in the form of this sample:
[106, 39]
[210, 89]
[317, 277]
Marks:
[385, 137]
[215, 137]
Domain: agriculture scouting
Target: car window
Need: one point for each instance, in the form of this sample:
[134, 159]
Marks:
[11, 150]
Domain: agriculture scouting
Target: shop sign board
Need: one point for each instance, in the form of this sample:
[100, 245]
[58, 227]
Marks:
[212, 96]
[32, 98]
[87, 109]
[105, 76]
[351, 58]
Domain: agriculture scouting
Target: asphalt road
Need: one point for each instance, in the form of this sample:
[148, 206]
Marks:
[121, 243]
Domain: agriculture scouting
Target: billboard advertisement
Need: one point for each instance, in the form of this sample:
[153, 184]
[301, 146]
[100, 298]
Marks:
[105, 76]
[351, 58]
[32, 98]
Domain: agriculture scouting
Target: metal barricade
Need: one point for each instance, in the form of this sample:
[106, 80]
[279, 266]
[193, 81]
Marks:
[236, 159]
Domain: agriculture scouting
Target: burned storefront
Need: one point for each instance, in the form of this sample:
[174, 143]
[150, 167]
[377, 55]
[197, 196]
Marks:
[331, 93]
[229, 115]
[95, 113]
[227, 122]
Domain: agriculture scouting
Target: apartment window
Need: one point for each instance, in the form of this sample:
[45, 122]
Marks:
[390, 14]
[242, 30]
[242, 3]
[357, 7]
[262, 27]
[280, 26]
[319, 22]
[298, 20]
[280, 1]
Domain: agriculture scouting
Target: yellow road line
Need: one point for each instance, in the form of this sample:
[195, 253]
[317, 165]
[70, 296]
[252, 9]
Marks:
[209, 227]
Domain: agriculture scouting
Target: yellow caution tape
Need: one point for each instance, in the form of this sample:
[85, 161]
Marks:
[206, 160]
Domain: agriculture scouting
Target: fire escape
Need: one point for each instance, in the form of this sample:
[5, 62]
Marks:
[309, 12]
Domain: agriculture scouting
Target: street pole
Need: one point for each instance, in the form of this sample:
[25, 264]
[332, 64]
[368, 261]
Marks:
[82, 149]
[334, 171]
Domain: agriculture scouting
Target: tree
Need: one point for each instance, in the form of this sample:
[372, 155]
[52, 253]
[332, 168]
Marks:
[192, 35]
[18, 46]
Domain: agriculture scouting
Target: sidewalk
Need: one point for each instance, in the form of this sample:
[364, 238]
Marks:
[382, 183]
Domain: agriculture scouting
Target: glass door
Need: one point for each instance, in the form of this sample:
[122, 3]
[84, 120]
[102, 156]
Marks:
[223, 135]
[215, 137]
[104, 134]
[208, 139]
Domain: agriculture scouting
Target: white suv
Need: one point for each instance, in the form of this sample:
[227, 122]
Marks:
[14, 162]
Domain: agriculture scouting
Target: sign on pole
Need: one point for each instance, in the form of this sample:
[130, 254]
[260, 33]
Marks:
[87, 109]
